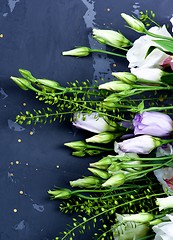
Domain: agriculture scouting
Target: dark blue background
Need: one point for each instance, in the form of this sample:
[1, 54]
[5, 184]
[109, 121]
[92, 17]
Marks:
[35, 33]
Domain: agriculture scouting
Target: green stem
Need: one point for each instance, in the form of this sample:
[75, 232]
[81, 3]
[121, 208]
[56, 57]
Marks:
[158, 36]
[157, 108]
[107, 52]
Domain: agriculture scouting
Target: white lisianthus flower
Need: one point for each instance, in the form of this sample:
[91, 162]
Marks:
[165, 203]
[164, 230]
[93, 123]
[165, 177]
[153, 74]
[137, 54]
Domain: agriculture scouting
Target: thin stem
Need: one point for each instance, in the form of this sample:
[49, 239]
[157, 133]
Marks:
[107, 52]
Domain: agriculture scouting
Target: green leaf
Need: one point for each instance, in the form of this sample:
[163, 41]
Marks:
[166, 44]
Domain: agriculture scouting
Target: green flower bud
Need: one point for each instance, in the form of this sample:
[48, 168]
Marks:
[104, 162]
[125, 77]
[77, 145]
[115, 181]
[136, 165]
[99, 173]
[112, 98]
[134, 23]
[78, 52]
[114, 168]
[111, 38]
[115, 86]
[86, 182]
[22, 83]
[79, 154]
[49, 83]
[104, 137]
[140, 217]
[63, 193]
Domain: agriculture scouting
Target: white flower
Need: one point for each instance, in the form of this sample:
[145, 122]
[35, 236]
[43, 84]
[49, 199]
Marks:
[165, 177]
[93, 123]
[139, 217]
[165, 203]
[153, 74]
[137, 54]
[164, 230]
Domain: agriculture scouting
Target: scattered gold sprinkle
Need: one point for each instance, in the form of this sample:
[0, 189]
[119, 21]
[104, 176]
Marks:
[114, 65]
[15, 210]
[57, 166]
[21, 192]
[24, 104]
[11, 174]
[27, 164]
[17, 162]
[31, 133]
[19, 140]
[12, 163]
[108, 9]
[1, 35]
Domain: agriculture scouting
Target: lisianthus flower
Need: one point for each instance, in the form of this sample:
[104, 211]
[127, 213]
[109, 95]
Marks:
[150, 74]
[141, 145]
[164, 230]
[165, 203]
[137, 54]
[153, 123]
[164, 150]
[93, 123]
[165, 177]
[168, 62]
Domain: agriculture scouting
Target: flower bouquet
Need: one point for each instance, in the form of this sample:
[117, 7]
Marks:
[129, 193]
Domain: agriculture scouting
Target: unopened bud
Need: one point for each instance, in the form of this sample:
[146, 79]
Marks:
[115, 181]
[86, 182]
[99, 173]
[60, 194]
[77, 52]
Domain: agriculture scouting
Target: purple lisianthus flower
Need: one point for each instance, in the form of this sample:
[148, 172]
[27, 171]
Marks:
[141, 145]
[153, 123]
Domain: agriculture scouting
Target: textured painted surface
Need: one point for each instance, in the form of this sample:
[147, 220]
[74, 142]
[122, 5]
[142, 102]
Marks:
[33, 158]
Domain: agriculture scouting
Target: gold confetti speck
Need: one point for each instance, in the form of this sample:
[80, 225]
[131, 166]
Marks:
[19, 140]
[12, 163]
[21, 192]
[24, 104]
[57, 166]
[108, 9]
[11, 175]
[27, 164]
[31, 133]
[1, 35]
[15, 210]
[114, 65]
[17, 162]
